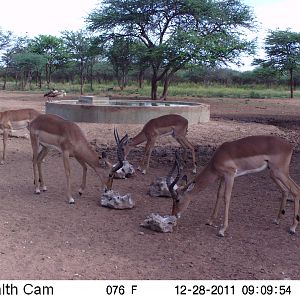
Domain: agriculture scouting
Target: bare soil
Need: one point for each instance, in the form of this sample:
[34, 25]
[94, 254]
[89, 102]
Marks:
[44, 237]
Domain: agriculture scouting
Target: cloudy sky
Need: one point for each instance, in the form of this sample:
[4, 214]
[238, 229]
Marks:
[34, 17]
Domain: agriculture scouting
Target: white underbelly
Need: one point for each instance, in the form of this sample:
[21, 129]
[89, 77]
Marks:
[256, 170]
[19, 124]
[50, 146]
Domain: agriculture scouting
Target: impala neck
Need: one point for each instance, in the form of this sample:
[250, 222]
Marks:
[91, 157]
[206, 177]
[138, 139]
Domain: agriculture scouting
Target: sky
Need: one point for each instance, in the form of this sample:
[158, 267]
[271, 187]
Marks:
[34, 17]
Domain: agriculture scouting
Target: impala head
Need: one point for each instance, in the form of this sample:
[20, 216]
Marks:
[101, 154]
[178, 195]
[120, 155]
[127, 147]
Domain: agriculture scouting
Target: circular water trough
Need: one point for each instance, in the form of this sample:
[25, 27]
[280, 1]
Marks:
[101, 110]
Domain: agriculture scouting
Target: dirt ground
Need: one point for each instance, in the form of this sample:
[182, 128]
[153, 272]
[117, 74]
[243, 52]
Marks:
[44, 237]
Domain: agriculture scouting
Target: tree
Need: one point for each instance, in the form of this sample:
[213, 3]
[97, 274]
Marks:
[5, 39]
[177, 32]
[53, 50]
[81, 48]
[17, 45]
[282, 49]
[27, 64]
[120, 55]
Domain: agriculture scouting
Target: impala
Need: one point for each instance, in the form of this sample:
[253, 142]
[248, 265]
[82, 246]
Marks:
[172, 124]
[232, 159]
[15, 120]
[51, 131]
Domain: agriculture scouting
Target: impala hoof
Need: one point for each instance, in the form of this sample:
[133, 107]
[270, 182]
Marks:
[44, 188]
[221, 233]
[37, 191]
[71, 201]
[292, 231]
[276, 221]
[210, 224]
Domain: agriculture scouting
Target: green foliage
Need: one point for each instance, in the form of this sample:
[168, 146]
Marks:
[121, 56]
[282, 49]
[177, 32]
[5, 39]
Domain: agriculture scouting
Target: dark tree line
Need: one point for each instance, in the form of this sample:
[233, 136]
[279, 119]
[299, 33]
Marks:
[158, 41]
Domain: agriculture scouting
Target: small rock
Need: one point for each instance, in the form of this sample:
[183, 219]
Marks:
[159, 188]
[160, 223]
[113, 199]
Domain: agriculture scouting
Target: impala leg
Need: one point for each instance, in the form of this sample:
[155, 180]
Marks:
[184, 156]
[229, 180]
[43, 153]
[285, 193]
[83, 182]
[5, 138]
[295, 191]
[68, 173]
[220, 197]
[187, 145]
[146, 158]
[35, 147]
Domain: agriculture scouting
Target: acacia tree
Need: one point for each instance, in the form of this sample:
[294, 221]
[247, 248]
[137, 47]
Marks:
[120, 55]
[28, 63]
[5, 38]
[81, 48]
[176, 32]
[282, 49]
[53, 50]
[16, 46]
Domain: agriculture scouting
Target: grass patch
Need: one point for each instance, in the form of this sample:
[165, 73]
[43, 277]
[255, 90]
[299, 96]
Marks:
[175, 90]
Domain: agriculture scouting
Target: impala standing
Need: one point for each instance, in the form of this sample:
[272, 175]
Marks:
[232, 159]
[15, 120]
[51, 131]
[172, 124]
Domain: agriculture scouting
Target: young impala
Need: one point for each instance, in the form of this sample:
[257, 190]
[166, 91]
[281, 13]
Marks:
[15, 120]
[172, 124]
[51, 131]
[232, 159]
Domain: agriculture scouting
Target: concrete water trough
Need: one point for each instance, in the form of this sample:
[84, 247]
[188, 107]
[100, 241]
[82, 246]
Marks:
[104, 110]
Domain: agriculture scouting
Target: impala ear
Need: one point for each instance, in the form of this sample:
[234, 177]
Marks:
[189, 187]
[184, 179]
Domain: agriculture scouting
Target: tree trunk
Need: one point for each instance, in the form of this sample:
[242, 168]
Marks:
[91, 75]
[47, 76]
[154, 88]
[141, 78]
[166, 86]
[5, 80]
[81, 77]
[292, 83]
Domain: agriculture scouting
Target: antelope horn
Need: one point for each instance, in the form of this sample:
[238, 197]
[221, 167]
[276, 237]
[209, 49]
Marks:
[116, 135]
[170, 184]
[120, 155]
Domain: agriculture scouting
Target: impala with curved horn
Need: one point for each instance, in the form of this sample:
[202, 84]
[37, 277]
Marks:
[51, 131]
[232, 159]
